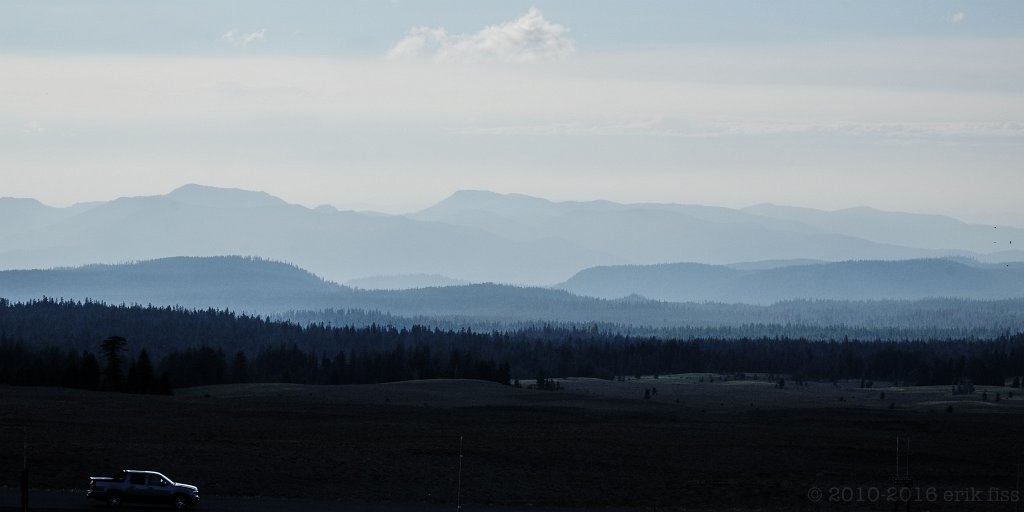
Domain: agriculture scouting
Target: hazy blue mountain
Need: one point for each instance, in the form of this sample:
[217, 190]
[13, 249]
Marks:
[471, 236]
[266, 287]
[204, 221]
[404, 282]
[767, 264]
[657, 233]
[676, 282]
[198, 195]
[904, 229]
[237, 283]
[262, 286]
[848, 280]
[520, 215]
[17, 215]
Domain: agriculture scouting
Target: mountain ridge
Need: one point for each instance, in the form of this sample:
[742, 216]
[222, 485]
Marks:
[474, 236]
[844, 280]
[263, 287]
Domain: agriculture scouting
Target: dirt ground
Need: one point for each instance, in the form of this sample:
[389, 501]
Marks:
[698, 443]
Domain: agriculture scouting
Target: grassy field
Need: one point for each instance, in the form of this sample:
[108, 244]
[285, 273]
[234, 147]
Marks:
[699, 443]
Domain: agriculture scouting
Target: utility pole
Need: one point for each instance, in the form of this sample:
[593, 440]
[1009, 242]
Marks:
[24, 469]
[903, 481]
[1020, 465]
[458, 496]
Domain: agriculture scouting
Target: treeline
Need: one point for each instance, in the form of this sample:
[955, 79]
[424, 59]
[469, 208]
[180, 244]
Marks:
[822, 320]
[24, 365]
[289, 363]
[54, 366]
[52, 343]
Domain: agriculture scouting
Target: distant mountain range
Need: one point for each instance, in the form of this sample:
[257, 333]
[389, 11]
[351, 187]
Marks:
[666, 233]
[473, 236]
[848, 280]
[264, 287]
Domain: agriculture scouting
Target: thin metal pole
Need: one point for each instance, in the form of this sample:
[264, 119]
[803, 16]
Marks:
[1020, 463]
[24, 469]
[907, 457]
[458, 499]
[897, 455]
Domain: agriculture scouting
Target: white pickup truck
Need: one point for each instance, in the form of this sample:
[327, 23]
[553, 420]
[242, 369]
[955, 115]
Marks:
[132, 486]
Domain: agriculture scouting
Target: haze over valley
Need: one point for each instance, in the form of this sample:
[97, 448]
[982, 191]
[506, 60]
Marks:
[476, 236]
[513, 255]
[485, 260]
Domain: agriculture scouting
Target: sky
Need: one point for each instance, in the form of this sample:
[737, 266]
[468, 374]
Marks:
[913, 105]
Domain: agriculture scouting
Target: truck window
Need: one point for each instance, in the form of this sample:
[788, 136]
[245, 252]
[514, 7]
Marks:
[157, 480]
[137, 479]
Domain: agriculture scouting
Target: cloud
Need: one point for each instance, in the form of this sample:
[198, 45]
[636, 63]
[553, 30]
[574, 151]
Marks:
[234, 38]
[702, 130]
[957, 17]
[418, 40]
[912, 91]
[527, 39]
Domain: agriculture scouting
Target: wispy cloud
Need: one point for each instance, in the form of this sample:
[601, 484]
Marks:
[234, 38]
[528, 38]
[957, 17]
[700, 130]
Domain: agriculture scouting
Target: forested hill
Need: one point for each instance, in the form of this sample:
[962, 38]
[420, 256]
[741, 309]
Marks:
[59, 343]
[846, 280]
[264, 287]
[260, 286]
[228, 282]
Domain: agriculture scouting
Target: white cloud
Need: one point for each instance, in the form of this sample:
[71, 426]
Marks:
[957, 17]
[418, 40]
[527, 39]
[234, 38]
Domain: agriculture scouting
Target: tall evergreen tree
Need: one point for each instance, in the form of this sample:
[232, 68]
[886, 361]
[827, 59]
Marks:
[111, 349]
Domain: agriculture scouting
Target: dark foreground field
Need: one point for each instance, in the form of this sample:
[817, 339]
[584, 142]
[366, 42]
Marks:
[721, 447]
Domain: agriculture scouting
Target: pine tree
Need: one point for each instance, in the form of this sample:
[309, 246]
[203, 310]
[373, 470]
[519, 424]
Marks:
[111, 349]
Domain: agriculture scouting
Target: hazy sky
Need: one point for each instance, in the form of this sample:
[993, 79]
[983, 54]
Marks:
[902, 105]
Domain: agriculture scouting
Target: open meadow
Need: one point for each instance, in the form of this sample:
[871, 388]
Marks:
[699, 442]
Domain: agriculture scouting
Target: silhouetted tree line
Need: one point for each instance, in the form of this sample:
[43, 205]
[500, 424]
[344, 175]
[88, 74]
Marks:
[54, 366]
[821, 320]
[51, 342]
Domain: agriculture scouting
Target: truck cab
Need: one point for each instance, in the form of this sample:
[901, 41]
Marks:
[135, 486]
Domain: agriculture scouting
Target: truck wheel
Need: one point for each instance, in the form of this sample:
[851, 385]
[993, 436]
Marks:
[179, 502]
[114, 500]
